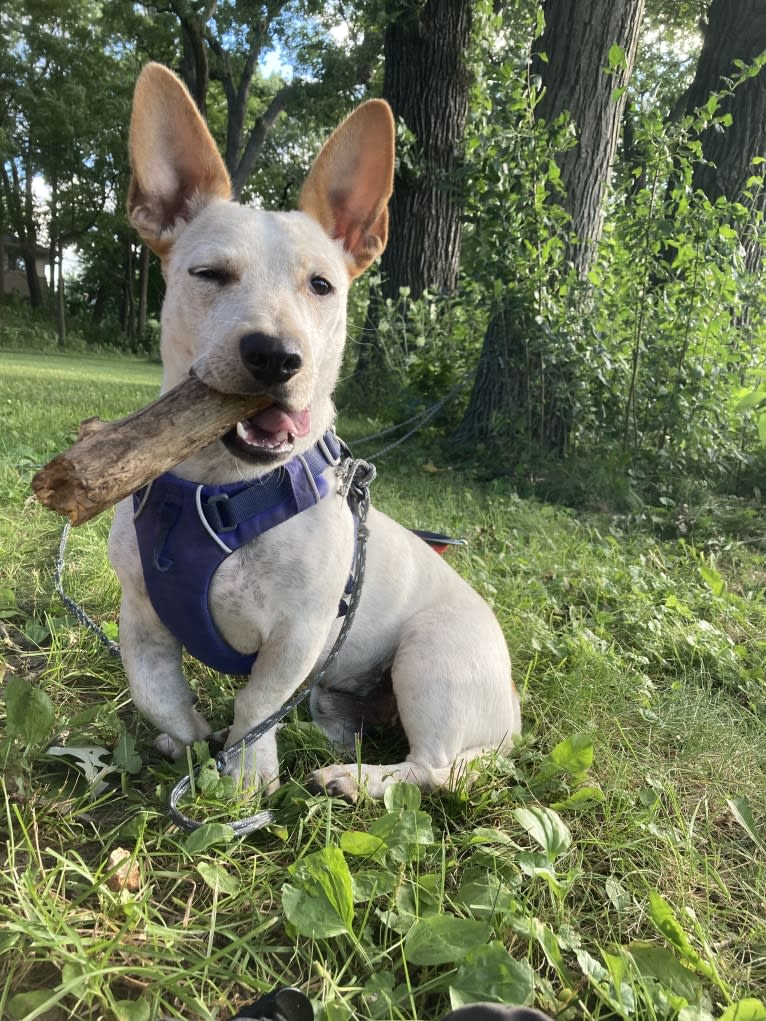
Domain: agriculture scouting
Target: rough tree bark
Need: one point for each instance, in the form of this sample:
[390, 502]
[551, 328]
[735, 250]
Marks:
[426, 81]
[735, 30]
[577, 40]
[19, 205]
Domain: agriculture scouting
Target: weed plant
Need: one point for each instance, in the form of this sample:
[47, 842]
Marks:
[613, 866]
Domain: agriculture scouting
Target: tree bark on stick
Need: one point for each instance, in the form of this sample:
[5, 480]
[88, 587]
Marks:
[111, 460]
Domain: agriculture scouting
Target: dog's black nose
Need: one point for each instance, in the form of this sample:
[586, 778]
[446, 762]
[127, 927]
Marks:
[268, 359]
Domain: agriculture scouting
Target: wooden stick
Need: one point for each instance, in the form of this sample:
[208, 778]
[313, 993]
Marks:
[111, 460]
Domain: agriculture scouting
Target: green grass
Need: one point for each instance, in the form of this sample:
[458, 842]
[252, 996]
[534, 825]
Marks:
[613, 866]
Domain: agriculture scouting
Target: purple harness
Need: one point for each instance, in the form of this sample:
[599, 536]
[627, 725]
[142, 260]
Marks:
[186, 530]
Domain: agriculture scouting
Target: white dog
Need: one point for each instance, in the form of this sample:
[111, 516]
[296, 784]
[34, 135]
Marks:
[248, 546]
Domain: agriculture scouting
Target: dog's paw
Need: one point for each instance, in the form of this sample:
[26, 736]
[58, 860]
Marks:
[337, 781]
[168, 746]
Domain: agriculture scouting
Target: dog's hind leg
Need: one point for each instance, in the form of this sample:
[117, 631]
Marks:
[345, 781]
[455, 700]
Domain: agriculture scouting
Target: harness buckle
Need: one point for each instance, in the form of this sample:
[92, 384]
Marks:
[214, 515]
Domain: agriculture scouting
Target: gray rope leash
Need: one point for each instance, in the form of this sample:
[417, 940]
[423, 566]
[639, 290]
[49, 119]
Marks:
[420, 419]
[74, 608]
[357, 475]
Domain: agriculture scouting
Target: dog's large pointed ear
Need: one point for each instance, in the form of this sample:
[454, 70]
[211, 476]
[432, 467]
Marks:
[175, 162]
[349, 186]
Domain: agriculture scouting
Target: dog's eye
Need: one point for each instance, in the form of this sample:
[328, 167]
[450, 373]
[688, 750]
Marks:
[320, 286]
[215, 275]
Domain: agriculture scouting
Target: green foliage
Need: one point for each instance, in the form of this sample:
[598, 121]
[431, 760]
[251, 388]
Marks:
[614, 861]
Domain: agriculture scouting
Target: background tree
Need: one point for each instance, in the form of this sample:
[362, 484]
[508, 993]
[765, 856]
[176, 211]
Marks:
[583, 61]
[734, 36]
[426, 80]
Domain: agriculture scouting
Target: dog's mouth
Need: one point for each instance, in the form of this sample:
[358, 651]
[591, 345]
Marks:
[269, 434]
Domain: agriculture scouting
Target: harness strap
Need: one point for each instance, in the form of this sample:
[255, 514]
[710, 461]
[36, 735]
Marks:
[185, 531]
[225, 511]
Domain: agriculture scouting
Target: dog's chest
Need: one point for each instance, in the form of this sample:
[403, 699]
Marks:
[286, 579]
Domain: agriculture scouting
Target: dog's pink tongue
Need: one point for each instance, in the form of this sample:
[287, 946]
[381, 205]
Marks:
[275, 420]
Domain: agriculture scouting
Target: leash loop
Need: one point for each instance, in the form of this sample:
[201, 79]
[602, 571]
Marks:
[355, 476]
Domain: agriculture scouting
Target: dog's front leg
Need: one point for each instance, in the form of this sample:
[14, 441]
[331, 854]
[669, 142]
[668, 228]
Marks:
[283, 662]
[152, 660]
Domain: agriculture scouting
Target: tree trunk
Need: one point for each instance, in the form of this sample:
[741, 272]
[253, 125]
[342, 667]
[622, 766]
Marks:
[128, 307]
[33, 280]
[100, 303]
[735, 30]
[194, 63]
[143, 289]
[60, 307]
[578, 39]
[426, 81]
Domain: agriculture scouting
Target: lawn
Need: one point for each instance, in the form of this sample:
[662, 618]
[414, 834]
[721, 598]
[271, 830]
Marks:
[614, 866]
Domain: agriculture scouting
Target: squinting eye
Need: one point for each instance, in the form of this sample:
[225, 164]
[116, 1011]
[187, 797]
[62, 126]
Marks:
[320, 286]
[216, 276]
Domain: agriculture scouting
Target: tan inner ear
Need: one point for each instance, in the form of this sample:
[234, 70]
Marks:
[351, 181]
[176, 166]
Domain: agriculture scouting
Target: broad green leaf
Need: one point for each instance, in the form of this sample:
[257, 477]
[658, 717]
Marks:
[485, 896]
[490, 974]
[574, 755]
[217, 877]
[664, 918]
[590, 967]
[487, 835]
[208, 835]
[369, 883]
[311, 913]
[549, 944]
[546, 827]
[35, 631]
[443, 939]
[617, 894]
[402, 795]
[361, 845]
[694, 1012]
[751, 400]
[743, 813]
[712, 579]
[404, 832]
[748, 1009]
[132, 1010]
[25, 1003]
[616, 56]
[29, 711]
[659, 963]
[421, 896]
[321, 901]
[580, 800]
[334, 1010]
[762, 429]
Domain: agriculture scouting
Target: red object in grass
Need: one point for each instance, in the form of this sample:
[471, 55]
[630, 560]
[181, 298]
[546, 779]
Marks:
[438, 542]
